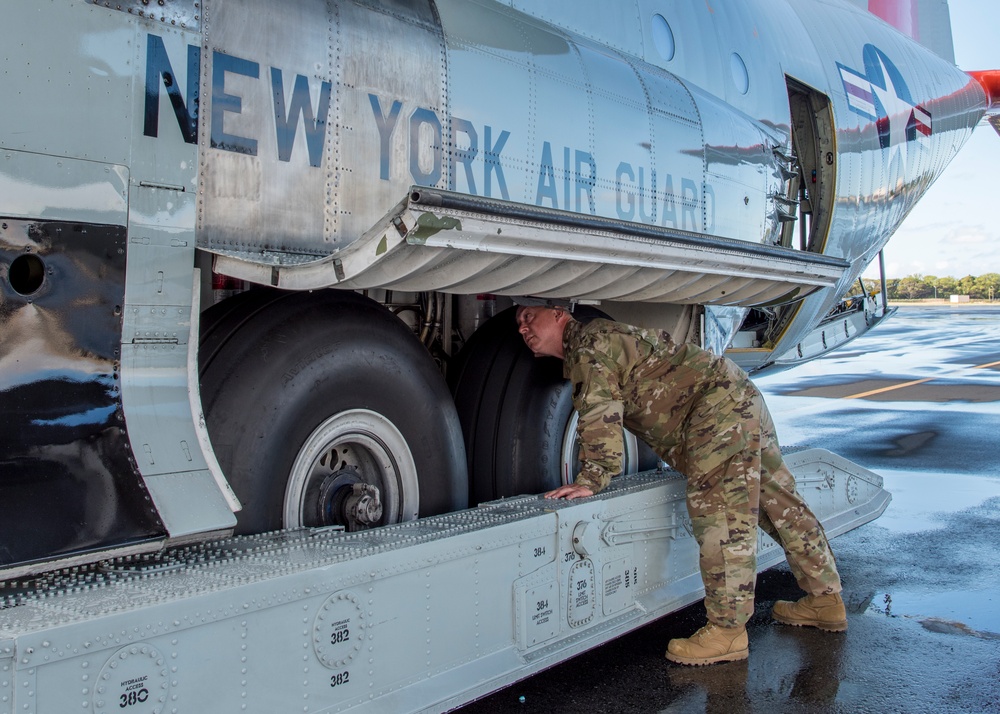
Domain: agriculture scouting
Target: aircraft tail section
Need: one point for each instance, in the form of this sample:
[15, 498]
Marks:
[926, 21]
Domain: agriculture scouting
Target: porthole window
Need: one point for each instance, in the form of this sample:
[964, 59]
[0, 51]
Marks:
[741, 78]
[663, 37]
[26, 274]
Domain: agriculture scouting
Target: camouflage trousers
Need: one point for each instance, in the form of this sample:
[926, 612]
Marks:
[737, 481]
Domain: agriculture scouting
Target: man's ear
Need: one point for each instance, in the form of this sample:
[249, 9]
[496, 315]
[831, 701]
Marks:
[563, 317]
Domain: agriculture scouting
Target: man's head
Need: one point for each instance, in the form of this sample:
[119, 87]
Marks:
[542, 329]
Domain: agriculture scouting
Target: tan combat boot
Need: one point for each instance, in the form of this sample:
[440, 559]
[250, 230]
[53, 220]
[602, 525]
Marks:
[709, 645]
[823, 611]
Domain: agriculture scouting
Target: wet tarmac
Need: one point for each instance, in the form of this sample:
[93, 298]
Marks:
[917, 401]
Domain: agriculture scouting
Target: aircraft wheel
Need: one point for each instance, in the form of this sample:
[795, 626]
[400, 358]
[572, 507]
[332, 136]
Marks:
[517, 415]
[323, 409]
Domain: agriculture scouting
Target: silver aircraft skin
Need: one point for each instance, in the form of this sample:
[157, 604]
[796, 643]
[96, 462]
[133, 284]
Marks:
[723, 170]
[582, 108]
[677, 117]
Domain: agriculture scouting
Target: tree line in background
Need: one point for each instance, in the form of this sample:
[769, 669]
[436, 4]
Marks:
[916, 287]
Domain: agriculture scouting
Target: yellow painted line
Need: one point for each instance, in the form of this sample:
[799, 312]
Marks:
[902, 385]
[888, 389]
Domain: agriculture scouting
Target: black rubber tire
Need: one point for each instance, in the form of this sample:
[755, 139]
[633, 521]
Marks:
[514, 409]
[275, 365]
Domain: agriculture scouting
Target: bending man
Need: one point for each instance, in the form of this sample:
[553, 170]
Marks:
[705, 418]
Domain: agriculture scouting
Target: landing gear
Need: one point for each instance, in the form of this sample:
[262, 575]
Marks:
[355, 470]
[517, 415]
[323, 409]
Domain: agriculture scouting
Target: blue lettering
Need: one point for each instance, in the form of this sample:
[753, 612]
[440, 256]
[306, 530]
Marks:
[547, 179]
[689, 203]
[643, 216]
[463, 156]
[287, 122]
[158, 65]
[491, 158]
[624, 169]
[669, 207]
[222, 102]
[419, 118]
[566, 177]
[585, 184]
[386, 125]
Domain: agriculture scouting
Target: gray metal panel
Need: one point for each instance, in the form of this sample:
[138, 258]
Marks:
[190, 502]
[185, 14]
[590, 18]
[738, 26]
[741, 175]
[389, 53]
[73, 89]
[248, 186]
[34, 185]
[157, 411]
[6, 676]
[620, 127]
[421, 616]
[491, 89]
[163, 417]
[698, 58]
[160, 264]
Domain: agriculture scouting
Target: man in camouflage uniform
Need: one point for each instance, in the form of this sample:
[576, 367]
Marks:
[705, 418]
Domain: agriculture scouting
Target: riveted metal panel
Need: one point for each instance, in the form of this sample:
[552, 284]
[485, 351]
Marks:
[259, 168]
[34, 185]
[392, 127]
[421, 616]
[159, 385]
[581, 593]
[697, 57]
[538, 608]
[73, 91]
[6, 676]
[173, 13]
[619, 583]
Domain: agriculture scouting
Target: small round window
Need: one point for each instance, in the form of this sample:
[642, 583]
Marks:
[663, 37]
[741, 78]
[26, 274]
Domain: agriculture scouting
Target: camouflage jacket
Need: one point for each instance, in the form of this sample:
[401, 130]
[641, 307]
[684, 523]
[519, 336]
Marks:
[659, 390]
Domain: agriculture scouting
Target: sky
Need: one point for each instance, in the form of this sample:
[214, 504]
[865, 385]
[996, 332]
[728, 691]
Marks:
[954, 231]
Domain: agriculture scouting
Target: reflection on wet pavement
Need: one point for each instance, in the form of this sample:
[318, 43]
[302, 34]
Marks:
[975, 613]
[925, 501]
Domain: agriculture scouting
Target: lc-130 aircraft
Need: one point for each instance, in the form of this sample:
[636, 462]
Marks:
[242, 243]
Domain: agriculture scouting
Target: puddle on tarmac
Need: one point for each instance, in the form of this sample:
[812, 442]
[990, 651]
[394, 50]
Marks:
[922, 501]
[975, 613]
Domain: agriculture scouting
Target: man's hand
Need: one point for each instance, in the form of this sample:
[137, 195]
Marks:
[570, 492]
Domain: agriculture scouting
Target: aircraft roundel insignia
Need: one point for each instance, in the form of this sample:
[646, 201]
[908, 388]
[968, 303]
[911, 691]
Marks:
[879, 93]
